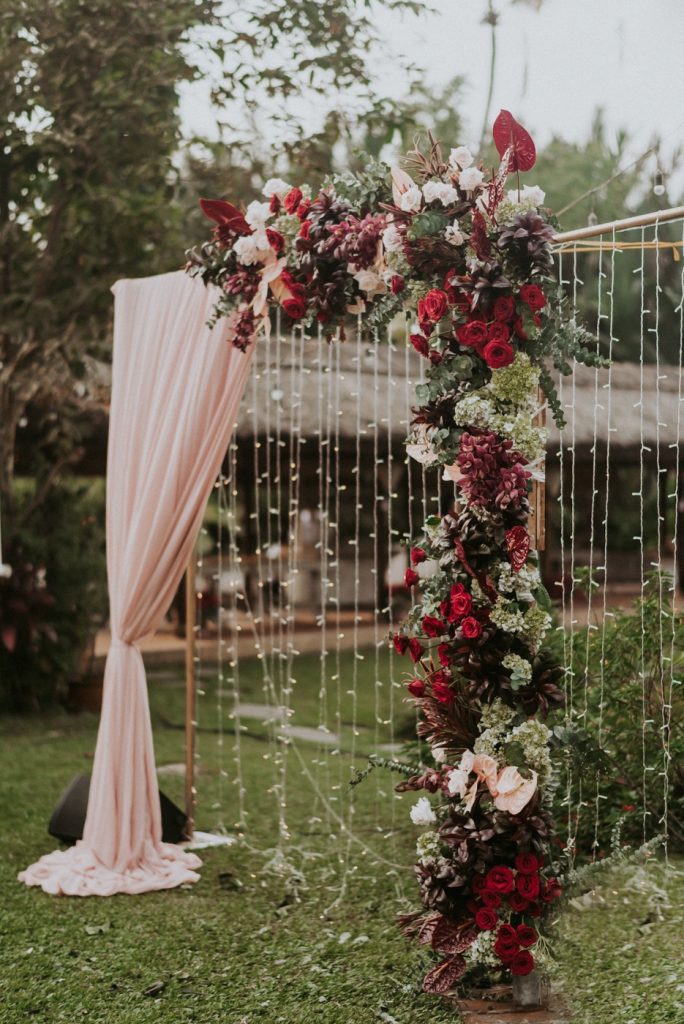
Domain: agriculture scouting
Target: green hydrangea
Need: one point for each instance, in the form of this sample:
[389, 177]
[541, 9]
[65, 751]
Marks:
[526, 437]
[507, 616]
[428, 845]
[521, 669]
[516, 382]
[496, 715]
[533, 737]
[510, 582]
[536, 625]
[475, 411]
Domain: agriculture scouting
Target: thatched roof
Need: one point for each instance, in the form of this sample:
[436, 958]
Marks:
[284, 394]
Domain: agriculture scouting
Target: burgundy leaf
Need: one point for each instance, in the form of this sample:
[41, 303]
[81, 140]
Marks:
[225, 214]
[444, 976]
[451, 938]
[478, 237]
[427, 929]
[510, 133]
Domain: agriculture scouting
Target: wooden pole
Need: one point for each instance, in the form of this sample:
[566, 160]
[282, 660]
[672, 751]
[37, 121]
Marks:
[190, 692]
[641, 221]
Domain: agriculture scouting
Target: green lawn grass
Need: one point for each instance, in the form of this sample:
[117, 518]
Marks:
[253, 942]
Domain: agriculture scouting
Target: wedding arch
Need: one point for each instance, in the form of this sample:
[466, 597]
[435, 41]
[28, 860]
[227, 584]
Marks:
[470, 264]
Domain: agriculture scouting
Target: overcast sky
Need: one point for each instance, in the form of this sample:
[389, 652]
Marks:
[555, 65]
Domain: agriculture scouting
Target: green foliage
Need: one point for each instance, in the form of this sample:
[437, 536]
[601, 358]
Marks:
[627, 687]
[56, 597]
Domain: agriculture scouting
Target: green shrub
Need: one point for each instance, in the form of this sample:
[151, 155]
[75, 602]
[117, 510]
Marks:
[55, 599]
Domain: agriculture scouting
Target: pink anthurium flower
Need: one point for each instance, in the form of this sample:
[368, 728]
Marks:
[513, 791]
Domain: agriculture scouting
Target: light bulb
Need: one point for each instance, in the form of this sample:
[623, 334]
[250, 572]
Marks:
[658, 183]
[592, 220]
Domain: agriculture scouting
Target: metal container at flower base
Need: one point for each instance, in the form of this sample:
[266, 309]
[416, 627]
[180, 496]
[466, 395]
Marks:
[527, 989]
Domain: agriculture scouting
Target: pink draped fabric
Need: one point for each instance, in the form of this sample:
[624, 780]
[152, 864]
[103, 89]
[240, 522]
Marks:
[176, 388]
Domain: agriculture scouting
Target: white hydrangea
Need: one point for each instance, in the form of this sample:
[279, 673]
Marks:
[481, 951]
[460, 156]
[422, 812]
[471, 179]
[474, 411]
[411, 200]
[511, 582]
[506, 616]
[440, 191]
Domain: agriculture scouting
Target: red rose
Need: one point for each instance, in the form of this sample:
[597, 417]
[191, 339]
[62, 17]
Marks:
[517, 902]
[485, 919]
[533, 910]
[473, 334]
[442, 692]
[498, 332]
[504, 308]
[526, 936]
[519, 327]
[274, 205]
[533, 296]
[415, 649]
[497, 354]
[305, 229]
[552, 890]
[295, 307]
[432, 626]
[411, 577]
[292, 200]
[471, 628]
[420, 344]
[500, 879]
[506, 945]
[460, 602]
[303, 208]
[400, 643]
[416, 687]
[527, 863]
[522, 963]
[478, 883]
[528, 886]
[397, 284]
[444, 654]
[418, 555]
[275, 240]
[435, 305]
[491, 899]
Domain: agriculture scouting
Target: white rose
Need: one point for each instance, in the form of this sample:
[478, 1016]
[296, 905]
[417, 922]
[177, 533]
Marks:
[461, 157]
[454, 235]
[257, 214]
[410, 201]
[533, 194]
[422, 813]
[439, 190]
[392, 238]
[275, 187]
[471, 178]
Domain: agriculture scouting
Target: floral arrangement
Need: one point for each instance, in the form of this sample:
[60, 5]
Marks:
[469, 262]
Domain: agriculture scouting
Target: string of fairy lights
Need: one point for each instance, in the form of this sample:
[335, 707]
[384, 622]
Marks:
[312, 514]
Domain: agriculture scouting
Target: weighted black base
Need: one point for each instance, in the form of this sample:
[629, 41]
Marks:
[68, 817]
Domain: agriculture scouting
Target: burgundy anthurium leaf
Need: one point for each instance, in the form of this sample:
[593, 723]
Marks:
[517, 546]
[427, 929]
[226, 214]
[444, 976]
[509, 133]
[451, 938]
[478, 237]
